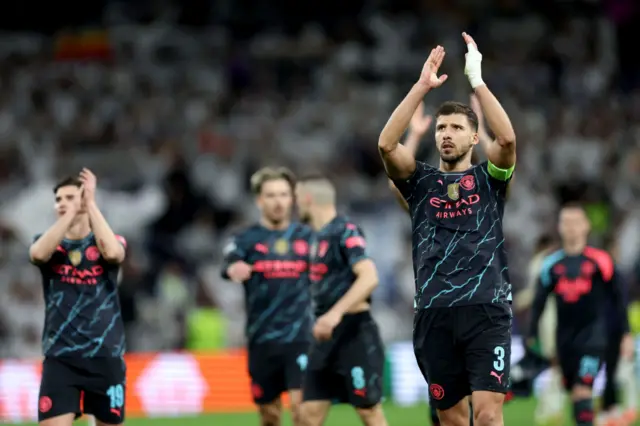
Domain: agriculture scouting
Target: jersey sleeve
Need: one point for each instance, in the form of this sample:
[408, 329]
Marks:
[617, 294]
[406, 186]
[544, 287]
[353, 244]
[235, 250]
[498, 177]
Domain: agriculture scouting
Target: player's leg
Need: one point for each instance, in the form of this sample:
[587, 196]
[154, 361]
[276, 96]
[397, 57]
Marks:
[59, 400]
[441, 365]
[580, 372]
[297, 360]
[360, 362]
[435, 421]
[320, 387]
[610, 393]
[105, 391]
[486, 333]
[267, 372]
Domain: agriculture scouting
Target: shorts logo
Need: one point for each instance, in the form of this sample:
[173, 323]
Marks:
[467, 183]
[92, 253]
[302, 361]
[436, 392]
[45, 404]
[256, 391]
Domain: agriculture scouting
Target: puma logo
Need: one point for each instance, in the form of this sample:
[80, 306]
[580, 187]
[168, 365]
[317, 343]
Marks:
[116, 412]
[497, 376]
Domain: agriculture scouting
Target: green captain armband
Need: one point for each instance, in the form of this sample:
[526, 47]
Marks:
[498, 173]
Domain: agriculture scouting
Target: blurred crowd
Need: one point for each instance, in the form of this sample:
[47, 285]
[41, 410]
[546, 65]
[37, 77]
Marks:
[174, 120]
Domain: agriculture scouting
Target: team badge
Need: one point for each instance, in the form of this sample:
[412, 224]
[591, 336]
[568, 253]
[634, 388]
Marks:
[75, 257]
[453, 191]
[281, 246]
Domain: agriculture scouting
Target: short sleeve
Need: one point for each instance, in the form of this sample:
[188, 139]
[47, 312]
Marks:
[234, 251]
[406, 186]
[353, 244]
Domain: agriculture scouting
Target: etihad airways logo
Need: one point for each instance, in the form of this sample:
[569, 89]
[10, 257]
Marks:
[449, 209]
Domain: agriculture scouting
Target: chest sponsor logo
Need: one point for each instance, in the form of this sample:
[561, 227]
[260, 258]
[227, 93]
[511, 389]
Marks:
[71, 274]
[572, 289]
[280, 269]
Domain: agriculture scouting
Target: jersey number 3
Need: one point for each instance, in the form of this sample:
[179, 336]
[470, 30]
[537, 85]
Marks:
[498, 364]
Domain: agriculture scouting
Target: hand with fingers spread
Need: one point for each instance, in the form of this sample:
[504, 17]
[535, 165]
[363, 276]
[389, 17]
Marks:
[420, 122]
[429, 76]
[473, 62]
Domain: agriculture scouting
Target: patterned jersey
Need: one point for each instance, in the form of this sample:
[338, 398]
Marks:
[277, 297]
[585, 286]
[83, 317]
[459, 256]
[337, 247]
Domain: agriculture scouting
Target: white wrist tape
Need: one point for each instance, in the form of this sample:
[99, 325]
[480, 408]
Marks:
[473, 66]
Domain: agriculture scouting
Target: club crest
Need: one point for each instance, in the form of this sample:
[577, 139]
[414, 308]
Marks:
[281, 246]
[75, 257]
[453, 191]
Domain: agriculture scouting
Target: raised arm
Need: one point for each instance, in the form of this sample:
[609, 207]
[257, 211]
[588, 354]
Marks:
[45, 245]
[501, 152]
[418, 127]
[110, 245]
[399, 161]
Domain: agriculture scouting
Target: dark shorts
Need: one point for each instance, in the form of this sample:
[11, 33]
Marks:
[94, 386]
[275, 369]
[348, 368]
[579, 366]
[463, 349]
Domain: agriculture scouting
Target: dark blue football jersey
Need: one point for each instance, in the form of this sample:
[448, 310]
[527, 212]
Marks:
[337, 247]
[277, 297]
[83, 317]
[459, 257]
[586, 286]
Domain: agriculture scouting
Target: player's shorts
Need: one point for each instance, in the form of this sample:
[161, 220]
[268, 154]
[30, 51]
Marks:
[463, 349]
[276, 368]
[579, 366]
[94, 386]
[348, 368]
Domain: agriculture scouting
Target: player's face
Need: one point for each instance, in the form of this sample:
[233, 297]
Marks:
[68, 197]
[573, 224]
[454, 137]
[275, 200]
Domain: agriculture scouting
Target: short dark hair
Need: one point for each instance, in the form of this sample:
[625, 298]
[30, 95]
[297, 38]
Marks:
[68, 181]
[270, 173]
[451, 107]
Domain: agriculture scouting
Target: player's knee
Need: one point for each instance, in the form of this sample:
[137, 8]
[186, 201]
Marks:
[270, 414]
[458, 415]
[488, 412]
[312, 413]
[372, 416]
[295, 413]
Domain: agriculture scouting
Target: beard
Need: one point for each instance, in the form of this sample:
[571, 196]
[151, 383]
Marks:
[454, 159]
[304, 217]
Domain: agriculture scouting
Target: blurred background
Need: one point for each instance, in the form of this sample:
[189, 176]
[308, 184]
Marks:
[173, 104]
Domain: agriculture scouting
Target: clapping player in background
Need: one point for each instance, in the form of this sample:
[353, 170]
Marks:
[583, 279]
[346, 359]
[83, 342]
[463, 291]
[270, 260]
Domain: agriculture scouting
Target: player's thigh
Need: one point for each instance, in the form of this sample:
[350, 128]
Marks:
[322, 384]
[267, 372]
[105, 391]
[59, 397]
[296, 361]
[487, 347]
[438, 358]
[360, 363]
